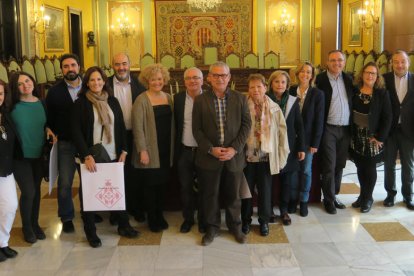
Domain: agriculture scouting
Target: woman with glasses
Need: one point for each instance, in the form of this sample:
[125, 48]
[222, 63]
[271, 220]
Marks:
[371, 122]
[312, 108]
[153, 130]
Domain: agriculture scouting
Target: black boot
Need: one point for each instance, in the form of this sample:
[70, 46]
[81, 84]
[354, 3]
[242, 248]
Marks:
[303, 209]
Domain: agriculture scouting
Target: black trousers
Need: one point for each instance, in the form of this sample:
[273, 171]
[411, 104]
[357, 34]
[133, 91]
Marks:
[28, 174]
[367, 176]
[88, 217]
[334, 152]
[258, 174]
[214, 182]
[191, 199]
[288, 192]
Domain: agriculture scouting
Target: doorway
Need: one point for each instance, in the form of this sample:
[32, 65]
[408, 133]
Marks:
[75, 33]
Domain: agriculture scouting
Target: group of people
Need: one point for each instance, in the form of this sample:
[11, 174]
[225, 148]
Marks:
[225, 145]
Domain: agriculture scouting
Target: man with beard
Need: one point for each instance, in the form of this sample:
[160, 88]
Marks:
[59, 102]
[126, 89]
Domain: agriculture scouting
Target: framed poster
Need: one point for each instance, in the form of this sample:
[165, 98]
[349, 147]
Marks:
[355, 28]
[54, 35]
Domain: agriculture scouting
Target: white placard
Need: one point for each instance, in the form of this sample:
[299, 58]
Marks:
[103, 190]
[53, 166]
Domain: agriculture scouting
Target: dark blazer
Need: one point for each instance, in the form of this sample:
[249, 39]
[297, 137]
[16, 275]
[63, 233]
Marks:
[7, 147]
[322, 82]
[59, 105]
[179, 106]
[136, 87]
[405, 109]
[206, 133]
[82, 120]
[313, 112]
[380, 117]
[295, 132]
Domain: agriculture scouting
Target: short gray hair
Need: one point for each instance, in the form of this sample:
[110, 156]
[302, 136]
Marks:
[219, 64]
[195, 69]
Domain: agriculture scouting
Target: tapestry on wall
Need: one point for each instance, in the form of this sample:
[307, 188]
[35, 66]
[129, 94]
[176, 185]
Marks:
[182, 29]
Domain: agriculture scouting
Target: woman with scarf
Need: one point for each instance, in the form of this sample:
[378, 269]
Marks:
[97, 117]
[266, 154]
[279, 82]
[8, 195]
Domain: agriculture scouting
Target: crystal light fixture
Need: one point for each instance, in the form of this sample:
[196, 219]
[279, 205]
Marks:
[203, 5]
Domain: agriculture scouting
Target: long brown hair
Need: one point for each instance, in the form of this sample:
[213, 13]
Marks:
[106, 88]
[14, 87]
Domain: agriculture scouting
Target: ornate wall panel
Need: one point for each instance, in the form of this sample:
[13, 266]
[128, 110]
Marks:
[181, 29]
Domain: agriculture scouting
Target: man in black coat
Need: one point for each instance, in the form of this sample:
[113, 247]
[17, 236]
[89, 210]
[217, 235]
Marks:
[186, 146]
[400, 85]
[338, 91]
[126, 89]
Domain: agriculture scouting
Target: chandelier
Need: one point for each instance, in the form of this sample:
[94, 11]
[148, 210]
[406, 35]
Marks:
[367, 15]
[203, 5]
[284, 25]
[124, 28]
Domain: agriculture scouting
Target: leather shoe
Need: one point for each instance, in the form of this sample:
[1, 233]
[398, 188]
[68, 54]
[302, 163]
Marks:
[162, 223]
[208, 238]
[329, 207]
[8, 252]
[409, 204]
[339, 204]
[239, 236]
[128, 232]
[93, 239]
[186, 226]
[29, 235]
[2, 257]
[246, 228]
[68, 227]
[273, 218]
[303, 209]
[264, 229]
[356, 203]
[389, 201]
[286, 219]
[154, 227]
[40, 235]
[366, 206]
[201, 228]
[292, 207]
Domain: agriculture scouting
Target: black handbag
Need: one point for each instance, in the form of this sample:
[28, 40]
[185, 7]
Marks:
[99, 153]
[45, 158]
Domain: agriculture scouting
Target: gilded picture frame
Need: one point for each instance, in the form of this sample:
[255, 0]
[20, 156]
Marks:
[355, 27]
[54, 34]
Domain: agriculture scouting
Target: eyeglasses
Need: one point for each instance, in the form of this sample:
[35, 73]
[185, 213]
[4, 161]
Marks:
[194, 78]
[217, 76]
[370, 73]
[336, 60]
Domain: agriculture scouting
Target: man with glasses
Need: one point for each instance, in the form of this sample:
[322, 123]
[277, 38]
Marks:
[338, 91]
[126, 89]
[221, 124]
[400, 85]
[186, 147]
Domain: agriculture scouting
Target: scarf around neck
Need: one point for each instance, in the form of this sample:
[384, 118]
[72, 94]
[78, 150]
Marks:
[100, 102]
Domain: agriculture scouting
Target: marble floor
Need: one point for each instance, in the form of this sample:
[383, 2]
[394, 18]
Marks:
[349, 243]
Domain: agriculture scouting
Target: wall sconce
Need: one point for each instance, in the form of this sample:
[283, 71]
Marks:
[40, 21]
[123, 28]
[284, 25]
[367, 15]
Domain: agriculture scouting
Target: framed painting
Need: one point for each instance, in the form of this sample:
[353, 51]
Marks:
[54, 35]
[355, 28]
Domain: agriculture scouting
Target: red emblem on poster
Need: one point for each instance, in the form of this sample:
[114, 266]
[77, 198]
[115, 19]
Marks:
[108, 195]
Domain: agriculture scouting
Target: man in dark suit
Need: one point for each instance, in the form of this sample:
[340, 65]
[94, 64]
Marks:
[126, 89]
[59, 102]
[221, 124]
[400, 85]
[186, 147]
[338, 91]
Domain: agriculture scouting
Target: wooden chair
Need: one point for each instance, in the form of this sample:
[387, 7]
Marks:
[50, 70]
[271, 60]
[251, 60]
[146, 59]
[56, 65]
[13, 65]
[28, 67]
[350, 63]
[187, 61]
[382, 62]
[3, 73]
[233, 60]
[168, 61]
[359, 63]
[370, 57]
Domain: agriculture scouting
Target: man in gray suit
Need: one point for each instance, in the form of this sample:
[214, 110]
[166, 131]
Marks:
[221, 124]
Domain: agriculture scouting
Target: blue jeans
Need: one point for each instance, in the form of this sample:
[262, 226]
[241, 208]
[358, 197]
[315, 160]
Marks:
[305, 176]
[66, 167]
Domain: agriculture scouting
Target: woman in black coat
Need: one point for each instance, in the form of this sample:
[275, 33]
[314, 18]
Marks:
[97, 118]
[371, 122]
